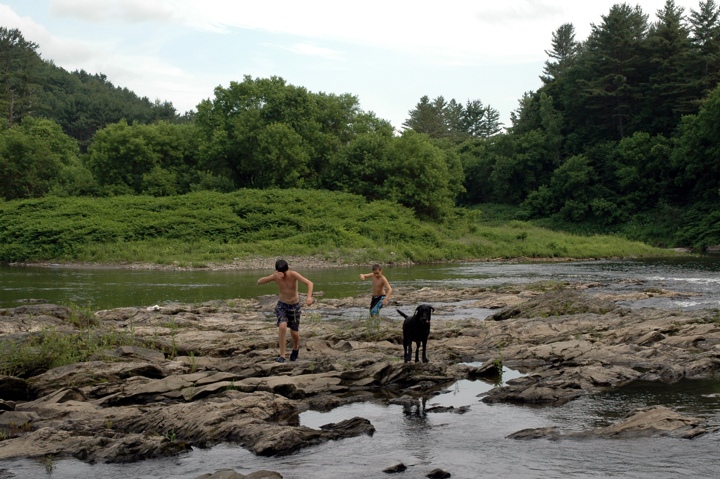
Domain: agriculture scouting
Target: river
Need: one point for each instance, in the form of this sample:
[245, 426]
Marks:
[469, 445]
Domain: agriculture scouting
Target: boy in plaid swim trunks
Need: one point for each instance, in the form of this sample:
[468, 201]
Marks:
[288, 309]
[381, 290]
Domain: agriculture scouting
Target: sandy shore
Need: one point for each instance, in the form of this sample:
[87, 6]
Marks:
[268, 263]
[255, 262]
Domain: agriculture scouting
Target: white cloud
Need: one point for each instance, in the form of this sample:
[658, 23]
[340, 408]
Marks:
[31, 30]
[131, 11]
[389, 53]
[314, 51]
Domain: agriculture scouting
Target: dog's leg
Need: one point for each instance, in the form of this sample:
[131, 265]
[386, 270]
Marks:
[417, 352]
[424, 346]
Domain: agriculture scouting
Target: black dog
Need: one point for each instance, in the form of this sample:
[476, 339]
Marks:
[416, 329]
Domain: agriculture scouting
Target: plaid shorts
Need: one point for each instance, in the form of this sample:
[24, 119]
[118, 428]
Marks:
[376, 304]
[288, 313]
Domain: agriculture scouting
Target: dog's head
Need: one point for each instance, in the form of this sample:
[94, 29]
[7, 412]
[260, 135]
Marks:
[424, 313]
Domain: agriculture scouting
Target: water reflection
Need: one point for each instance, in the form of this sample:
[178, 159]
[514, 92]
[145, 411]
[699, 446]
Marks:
[469, 445]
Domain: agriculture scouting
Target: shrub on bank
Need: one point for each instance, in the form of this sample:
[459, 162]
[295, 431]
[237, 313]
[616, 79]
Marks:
[207, 227]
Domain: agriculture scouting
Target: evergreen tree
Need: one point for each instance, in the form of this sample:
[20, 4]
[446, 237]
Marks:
[563, 54]
[613, 67]
[672, 87]
[19, 76]
[429, 118]
[705, 28]
[440, 119]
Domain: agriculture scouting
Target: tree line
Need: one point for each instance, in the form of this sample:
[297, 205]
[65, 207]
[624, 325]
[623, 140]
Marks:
[621, 136]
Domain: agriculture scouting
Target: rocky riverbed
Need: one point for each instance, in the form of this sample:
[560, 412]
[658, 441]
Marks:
[198, 375]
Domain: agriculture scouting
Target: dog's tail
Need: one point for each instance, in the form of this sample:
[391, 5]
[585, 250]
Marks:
[402, 314]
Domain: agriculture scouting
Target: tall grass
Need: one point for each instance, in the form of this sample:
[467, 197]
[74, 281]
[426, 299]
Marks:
[208, 227]
[49, 348]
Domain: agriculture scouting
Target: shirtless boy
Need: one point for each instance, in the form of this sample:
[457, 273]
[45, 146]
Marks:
[287, 309]
[381, 290]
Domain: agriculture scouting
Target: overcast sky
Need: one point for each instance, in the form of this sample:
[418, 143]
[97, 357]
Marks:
[387, 53]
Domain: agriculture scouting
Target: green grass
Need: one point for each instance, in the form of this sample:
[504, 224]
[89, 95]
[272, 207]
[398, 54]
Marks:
[50, 348]
[202, 228]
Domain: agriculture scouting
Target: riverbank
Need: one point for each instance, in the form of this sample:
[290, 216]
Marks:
[306, 262]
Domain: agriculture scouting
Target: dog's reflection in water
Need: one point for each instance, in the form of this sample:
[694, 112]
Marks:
[412, 406]
[416, 407]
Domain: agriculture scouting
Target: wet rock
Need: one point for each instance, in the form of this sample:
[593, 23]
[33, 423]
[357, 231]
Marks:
[396, 468]
[652, 422]
[223, 474]
[275, 440]
[99, 448]
[657, 421]
[438, 474]
[489, 370]
[264, 475]
[231, 474]
[556, 388]
[536, 433]
[557, 303]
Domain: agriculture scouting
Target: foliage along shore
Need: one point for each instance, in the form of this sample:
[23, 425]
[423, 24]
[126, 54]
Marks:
[246, 228]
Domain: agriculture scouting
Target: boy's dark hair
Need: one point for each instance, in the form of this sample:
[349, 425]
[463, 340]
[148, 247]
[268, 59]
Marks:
[281, 265]
[376, 267]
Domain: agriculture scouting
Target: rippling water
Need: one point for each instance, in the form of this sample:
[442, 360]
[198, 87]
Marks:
[469, 445]
[112, 288]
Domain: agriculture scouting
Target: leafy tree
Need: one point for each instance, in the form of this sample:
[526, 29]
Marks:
[362, 166]
[641, 164]
[257, 125]
[283, 160]
[479, 158]
[157, 159]
[424, 176]
[568, 193]
[697, 154]
[36, 157]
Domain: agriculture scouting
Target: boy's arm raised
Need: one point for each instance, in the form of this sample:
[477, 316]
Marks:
[267, 279]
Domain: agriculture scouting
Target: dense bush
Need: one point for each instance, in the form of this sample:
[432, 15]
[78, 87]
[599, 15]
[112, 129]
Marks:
[209, 226]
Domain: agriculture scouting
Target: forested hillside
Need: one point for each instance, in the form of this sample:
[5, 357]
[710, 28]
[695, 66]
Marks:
[622, 137]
